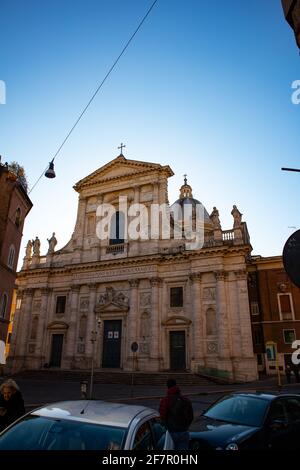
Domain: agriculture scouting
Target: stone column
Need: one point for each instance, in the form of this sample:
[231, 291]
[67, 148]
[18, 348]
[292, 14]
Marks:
[163, 192]
[197, 327]
[155, 193]
[244, 313]
[222, 319]
[132, 317]
[234, 318]
[41, 331]
[71, 336]
[91, 322]
[24, 324]
[155, 323]
[16, 331]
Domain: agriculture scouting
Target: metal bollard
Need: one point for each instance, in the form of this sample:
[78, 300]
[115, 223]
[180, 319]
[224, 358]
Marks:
[83, 389]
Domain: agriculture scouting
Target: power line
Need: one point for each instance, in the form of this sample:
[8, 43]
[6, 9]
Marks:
[97, 90]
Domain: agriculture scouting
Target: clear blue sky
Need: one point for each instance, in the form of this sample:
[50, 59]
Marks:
[205, 87]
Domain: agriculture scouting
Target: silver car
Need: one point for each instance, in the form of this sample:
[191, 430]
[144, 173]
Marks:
[87, 425]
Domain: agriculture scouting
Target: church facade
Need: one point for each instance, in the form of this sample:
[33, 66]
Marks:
[136, 303]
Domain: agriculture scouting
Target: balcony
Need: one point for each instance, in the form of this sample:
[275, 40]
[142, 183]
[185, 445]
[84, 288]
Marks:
[115, 249]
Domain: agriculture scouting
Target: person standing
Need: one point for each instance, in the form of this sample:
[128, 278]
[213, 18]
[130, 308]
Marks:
[11, 403]
[176, 412]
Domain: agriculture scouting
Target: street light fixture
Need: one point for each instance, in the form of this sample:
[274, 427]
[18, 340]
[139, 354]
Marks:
[291, 169]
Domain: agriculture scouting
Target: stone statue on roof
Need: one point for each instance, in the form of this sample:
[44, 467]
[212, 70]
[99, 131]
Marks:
[52, 244]
[214, 217]
[237, 217]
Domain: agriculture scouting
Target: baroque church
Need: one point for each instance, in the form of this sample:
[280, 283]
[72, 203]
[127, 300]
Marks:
[145, 304]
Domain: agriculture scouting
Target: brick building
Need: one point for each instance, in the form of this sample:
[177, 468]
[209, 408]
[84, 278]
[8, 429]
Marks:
[14, 207]
[275, 312]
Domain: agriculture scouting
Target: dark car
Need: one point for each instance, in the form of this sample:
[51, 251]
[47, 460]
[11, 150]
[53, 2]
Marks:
[248, 421]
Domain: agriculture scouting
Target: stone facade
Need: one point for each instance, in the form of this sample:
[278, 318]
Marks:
[186, 309]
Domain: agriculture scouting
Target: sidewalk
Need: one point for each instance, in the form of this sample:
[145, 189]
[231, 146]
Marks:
[38, 392]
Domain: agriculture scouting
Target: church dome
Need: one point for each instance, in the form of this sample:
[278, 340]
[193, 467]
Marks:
[186, 198]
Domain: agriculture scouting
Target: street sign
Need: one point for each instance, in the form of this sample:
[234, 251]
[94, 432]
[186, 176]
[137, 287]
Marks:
[134, 346]
[291, 257]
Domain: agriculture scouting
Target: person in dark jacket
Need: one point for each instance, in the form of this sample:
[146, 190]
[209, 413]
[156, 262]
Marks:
[176, 412]
[11, 403]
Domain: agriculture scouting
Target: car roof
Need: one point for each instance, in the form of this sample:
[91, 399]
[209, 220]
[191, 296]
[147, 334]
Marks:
[95, 411]
[266, 396]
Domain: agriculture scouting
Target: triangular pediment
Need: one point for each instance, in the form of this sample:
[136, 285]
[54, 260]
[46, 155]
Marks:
[120, 167]
[58, 325]
[111, 307]
[112, 301]
[177, 320]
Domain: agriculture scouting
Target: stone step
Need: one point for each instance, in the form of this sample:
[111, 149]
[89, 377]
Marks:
[116, 377]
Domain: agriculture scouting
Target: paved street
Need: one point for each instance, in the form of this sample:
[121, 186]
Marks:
[38, 392]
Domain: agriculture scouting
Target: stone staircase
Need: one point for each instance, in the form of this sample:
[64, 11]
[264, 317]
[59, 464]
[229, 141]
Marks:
[115, 377]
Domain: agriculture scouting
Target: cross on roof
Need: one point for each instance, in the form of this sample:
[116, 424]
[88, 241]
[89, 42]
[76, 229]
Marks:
[185, 180]
[121, 147]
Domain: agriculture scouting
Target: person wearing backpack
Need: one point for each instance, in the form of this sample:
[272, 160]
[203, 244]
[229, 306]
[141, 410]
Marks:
[176, 412]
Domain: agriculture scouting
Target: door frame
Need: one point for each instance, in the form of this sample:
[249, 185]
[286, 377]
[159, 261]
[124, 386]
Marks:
[174, 330]
[54, 333]
[101, 345]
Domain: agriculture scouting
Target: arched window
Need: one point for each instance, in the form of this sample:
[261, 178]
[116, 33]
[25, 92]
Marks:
[211, 322]
[117, 228]
[18, 217]
[11, 256]
[4, 302]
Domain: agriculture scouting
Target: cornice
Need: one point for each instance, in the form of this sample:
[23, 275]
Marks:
[134, 261]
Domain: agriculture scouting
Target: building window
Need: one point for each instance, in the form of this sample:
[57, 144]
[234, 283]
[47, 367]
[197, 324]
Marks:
[257, 336]
[211, 322]
[117, 228]
[18, 217]
[285, 305]
[8, 338]
[91, 227]
[61, 304]
[176, 297]
[254, 308]
[259, 359]
[289, 336]
[11, 257]
[271, 352]
[4, 302]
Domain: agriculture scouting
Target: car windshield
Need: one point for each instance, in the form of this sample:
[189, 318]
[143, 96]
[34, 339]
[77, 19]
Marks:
[40, 433]
[248, 411]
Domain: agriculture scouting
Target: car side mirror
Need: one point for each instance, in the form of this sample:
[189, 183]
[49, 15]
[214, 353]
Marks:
[278, 424]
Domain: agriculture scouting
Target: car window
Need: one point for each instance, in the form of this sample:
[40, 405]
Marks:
[159, 433]
[293, 406]
[40, 433]
[143, 439]
[278, 411]
[238, 409]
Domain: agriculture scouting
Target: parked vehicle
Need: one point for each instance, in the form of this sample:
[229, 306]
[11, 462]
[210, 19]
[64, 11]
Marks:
[87, 425]
[248, 421]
